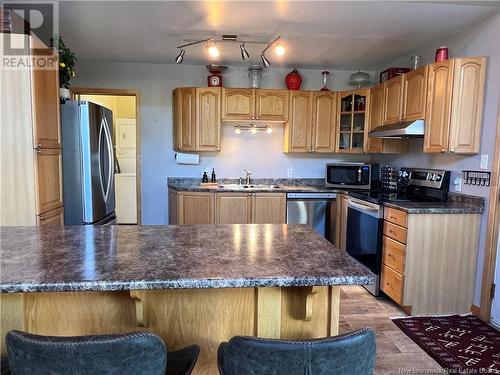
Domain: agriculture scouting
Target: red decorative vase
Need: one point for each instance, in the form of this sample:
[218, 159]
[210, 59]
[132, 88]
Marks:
[293, 80]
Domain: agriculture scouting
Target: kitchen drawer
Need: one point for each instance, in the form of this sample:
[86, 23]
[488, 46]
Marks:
[391, 283]
[393, 254]
[395, 216]
[395, 231]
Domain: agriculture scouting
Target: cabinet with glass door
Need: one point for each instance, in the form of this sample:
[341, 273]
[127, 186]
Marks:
[352, 121]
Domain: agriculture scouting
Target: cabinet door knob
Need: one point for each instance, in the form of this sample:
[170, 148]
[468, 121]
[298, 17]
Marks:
[42, 217]
[310, 150]
[38, 151]
[257, 117]
[443, 150]
[38, 146]
[178, 193]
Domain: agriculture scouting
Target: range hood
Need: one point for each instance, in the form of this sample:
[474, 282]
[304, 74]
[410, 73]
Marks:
[408, 129]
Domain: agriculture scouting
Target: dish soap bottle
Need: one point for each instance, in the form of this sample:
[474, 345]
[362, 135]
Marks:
[213, 179]
[204, 179]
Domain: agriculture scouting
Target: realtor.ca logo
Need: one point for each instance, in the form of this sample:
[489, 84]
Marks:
[28, 29]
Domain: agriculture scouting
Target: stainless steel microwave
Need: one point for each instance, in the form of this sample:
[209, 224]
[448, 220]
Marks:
[349, 175]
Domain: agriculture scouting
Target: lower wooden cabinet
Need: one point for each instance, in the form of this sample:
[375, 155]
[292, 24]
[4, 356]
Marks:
[429, 261]
[191, 207]
[54, 217]
[233, 208]
[250, 208]
[49, 179]
[226, 208]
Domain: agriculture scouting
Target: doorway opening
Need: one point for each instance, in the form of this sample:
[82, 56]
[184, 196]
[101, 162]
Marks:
[126, 143]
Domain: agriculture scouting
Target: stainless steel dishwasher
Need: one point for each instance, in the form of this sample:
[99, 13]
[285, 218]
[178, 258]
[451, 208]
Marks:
[318, 210]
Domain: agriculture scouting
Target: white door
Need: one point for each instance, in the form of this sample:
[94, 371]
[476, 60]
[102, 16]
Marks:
[495, 307]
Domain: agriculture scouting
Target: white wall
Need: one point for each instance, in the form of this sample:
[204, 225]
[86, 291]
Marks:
[261, 153]
[480, 39]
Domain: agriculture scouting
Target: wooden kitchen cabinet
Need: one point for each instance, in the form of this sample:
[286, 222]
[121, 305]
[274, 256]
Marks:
[393, 100]
[45, 96]
[323, 121]
[376, 119]
[271, 105]
[233, 208]
[268, 208]
[197, 119]
[238, 104]
[30, 142]
[341, 221]
[186, 207]
[254, 104]
[54, 217]
[429, 261]
[352, 121]
[49, 180]
[297, 132]
[455, 106]
[415, 94]
[312, 122]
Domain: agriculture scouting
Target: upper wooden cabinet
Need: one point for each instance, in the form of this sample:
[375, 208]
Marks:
[254, 104]
[455, 105]
[323, 121]
[197, 119]
[393, 100]
[298, 130]
[352, 121]
[238, 104]
[45, 94]
[414, 94]
[376, 118]
[467, 105]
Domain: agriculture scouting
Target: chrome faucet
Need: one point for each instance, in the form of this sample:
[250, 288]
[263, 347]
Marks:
[248, 176]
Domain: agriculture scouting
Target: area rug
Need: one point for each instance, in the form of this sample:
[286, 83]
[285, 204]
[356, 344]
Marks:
[460, 344]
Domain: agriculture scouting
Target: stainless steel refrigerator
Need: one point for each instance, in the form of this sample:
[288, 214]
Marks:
[88, 164]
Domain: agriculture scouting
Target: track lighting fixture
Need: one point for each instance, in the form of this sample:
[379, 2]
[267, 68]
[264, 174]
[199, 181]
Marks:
[214, 51]
[265, 61]
[180, 57]
[244, 52]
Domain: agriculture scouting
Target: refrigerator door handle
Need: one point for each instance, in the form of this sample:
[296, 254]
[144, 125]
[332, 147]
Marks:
[104, 131]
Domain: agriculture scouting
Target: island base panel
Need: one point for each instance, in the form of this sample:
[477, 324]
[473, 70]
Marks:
[205, 317]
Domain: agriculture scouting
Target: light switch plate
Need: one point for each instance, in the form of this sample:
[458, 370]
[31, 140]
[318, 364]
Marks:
[289, 172]
[458, 184]
[484, 161]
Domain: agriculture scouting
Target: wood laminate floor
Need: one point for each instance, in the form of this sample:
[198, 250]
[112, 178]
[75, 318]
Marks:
[396, 353]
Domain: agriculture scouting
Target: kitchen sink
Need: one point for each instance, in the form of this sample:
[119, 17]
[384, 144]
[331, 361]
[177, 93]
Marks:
[248, 187]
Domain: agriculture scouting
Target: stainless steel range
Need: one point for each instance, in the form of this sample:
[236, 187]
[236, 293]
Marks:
[365, 213]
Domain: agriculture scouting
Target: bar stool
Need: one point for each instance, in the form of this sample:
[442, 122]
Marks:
[348, 354]
[133, 353]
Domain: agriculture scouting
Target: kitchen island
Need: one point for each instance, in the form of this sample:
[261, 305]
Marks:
[191, 284]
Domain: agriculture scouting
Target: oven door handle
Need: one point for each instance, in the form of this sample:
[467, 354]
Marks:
[369, 210]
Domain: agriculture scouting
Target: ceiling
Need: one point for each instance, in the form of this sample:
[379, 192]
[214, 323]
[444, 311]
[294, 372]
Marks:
[323, 34]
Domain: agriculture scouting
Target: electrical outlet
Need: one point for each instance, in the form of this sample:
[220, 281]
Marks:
[458, 184]
[484, 161]
[289, 172]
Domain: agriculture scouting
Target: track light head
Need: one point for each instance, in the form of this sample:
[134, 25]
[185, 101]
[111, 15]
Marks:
[180, 57]
[265, 61]
[244, 53]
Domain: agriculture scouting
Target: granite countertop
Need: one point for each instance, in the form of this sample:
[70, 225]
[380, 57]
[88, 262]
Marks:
[108, 258]
[456, 203]
[282, 185]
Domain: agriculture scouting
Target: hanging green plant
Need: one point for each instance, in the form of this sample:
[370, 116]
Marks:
[67, 61]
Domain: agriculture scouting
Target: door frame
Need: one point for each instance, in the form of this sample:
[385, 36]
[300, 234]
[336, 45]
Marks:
[77, 91]
[492, 232]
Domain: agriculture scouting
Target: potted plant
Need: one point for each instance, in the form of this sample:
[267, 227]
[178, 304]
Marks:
[67, 60]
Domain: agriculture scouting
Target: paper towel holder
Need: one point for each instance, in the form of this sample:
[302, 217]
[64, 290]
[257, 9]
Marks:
[190, 159]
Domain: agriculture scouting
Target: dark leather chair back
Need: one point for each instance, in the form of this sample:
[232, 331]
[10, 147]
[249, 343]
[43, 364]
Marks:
[134, 353]
[350, 354]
